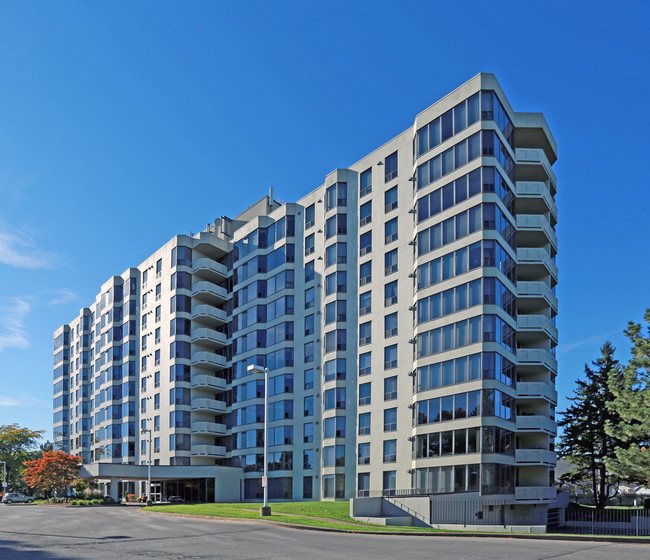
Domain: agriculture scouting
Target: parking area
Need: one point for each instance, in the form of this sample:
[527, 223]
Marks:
[33, 532]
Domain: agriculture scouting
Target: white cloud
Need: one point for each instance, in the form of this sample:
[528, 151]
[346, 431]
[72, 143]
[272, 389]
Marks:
[19, 251]
[13, 333]
[602, 338]
[59, 297]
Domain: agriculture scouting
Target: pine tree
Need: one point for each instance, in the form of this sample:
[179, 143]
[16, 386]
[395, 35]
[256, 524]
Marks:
[585, 443]
[632, 403]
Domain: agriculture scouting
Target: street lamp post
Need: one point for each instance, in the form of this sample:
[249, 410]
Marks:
[4, 476]
[148, 431]
[265, 509]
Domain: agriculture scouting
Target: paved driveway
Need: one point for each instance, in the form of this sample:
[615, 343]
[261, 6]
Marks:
[29, 532]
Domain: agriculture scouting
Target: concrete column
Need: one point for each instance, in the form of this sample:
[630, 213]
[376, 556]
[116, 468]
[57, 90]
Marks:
[114, 488]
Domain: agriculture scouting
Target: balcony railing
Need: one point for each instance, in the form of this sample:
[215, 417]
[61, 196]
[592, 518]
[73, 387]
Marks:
[208, 428]
[537, 323]
[208, 382]
[532, 390]
[536, 423]
[537, 357]
[208, 451]
[535, 494]
[535, 457]
[208, 405]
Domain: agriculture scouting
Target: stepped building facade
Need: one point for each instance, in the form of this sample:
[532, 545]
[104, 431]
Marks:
[405, 310]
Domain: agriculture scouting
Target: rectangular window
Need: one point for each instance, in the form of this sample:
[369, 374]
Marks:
[390, 165]
[390, 451]
[364, 424]
[365, 182]
[390, 262]
[390, 325]
[364, 394]
[365, 214]
[390, 420]
[390, 199]
[365, 243]
[390, 388]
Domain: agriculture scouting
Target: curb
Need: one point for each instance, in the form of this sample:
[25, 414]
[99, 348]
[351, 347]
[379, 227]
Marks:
[526, 536]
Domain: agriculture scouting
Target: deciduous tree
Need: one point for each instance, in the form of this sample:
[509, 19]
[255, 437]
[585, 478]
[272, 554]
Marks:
[585, 443]
[632, 403]
[55, 471]
[17, 445]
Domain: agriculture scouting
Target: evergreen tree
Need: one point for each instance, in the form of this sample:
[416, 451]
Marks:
[585, 443]
[632, 403]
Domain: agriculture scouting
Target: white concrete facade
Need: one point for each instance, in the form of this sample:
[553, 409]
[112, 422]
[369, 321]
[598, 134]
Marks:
[424, 271]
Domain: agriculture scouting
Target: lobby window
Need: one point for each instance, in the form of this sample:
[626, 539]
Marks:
[390, 357]
[390, 231]
[364, 454]
[390, 388]
[364, 424]
[365, 303]
[364, 393]
[390, 420]
[365, 333]
[365, 214]
[390, 262]
[310, 216]
[390, 166]
[390, 199]
[390, 293]
[390, 325]
[365, 182]
[365, 243]
[390, 451]
[365, 273]
[309, 244]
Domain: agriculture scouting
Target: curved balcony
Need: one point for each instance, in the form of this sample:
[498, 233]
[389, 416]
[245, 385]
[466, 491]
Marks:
[536, 423]
[536, 357]
[208, 360]
[534, 230]
[535, 457]
[533, 296]
[536, 391]
[209, 338]
[209, 269]
[211, 428]
[535, 494]
[217, 451]
[535, 327]
[533, 165]
[535, 263]
[210, 292]
[208, 382]
[209, 315]
[208, 405]
[534, 197]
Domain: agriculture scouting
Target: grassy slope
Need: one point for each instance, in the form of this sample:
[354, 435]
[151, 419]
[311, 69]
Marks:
[335, 514]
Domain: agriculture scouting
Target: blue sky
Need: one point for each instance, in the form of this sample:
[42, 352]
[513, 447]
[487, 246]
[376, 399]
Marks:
[123, 124]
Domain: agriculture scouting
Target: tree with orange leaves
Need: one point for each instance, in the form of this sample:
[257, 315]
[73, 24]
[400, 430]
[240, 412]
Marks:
[54, 471]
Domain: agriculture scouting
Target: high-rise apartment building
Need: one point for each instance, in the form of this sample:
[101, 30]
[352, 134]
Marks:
[405, 310]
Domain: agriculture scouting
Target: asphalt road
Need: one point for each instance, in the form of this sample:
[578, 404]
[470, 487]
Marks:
[30, 532]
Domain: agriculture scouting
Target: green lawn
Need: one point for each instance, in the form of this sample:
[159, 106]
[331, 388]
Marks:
[335, 515]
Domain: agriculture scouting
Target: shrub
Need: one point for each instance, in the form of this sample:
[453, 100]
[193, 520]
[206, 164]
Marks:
[108, 500]
[74, 503]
